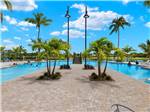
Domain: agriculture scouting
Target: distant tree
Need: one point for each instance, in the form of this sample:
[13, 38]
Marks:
[120, 54]
[116, 25]
[146, 48]
[2, 52]
[36, 44]
[19, 52]
[128, 50]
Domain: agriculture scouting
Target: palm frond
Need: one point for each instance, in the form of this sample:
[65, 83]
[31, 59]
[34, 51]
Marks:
[8, 4]
[147, 3]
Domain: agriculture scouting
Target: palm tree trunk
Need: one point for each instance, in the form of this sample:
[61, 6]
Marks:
[50, 66]
[1, 17]
[54, 66]
[99, 67]
[47, 67]
[118, 38]
[105, 66]
[67, 58]
[38, 37]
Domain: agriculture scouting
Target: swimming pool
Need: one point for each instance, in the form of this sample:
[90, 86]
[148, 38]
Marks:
[24, 69]
[133, 71]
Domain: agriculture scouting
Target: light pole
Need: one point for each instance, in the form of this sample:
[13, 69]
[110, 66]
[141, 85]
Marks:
[86, 16]
[68, 17]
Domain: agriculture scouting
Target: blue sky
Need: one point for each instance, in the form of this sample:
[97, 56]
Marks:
[15, 31]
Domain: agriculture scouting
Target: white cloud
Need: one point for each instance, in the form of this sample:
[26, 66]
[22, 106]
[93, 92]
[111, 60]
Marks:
[25, 24]
[10, 20]
[147, 24]
[21, 5]
[14, 21]
[24, 29]
[125, 1]
[4, 29]
[81, 7]
[8, 41]
[28, 40]
[10, 46]
[55, 33]
[98, 20]
[141, 18]
[73, 33]
[27, 35]
[17, 38]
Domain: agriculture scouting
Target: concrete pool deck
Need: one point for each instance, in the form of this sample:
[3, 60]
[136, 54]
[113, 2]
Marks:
[74, 93]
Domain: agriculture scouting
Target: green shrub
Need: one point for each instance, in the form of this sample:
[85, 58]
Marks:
[46, 76]
[103, 77]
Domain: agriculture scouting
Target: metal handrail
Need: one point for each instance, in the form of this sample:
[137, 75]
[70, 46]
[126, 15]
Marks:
[119, 105]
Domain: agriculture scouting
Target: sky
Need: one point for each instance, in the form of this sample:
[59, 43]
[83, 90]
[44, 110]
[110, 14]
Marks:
[15, 31]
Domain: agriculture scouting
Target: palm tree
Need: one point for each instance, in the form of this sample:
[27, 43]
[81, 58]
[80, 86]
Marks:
[2, 52]
[57, 46]
[147, 3]
[116, 25]
[52, 51]
[146, 48]
[8, 6]
[98, 48]
[2, 48]
[36, 44]
[66, 48]
[120, 54]
[39, 19]
[108, 49]
[127, 49]
[18, 52]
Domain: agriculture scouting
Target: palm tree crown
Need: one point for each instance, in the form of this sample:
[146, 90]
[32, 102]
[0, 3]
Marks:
[100, 48]
[116, 24]
[146, 48]
[127, 49]
[8, 6]
[39, 19]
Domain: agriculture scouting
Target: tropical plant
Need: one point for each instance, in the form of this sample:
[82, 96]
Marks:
[39, 19]
[36, 44]
[146, 48]
[120, 54]
[52, 50]
[101, 51]
[19, 52]
[2, 51]
[116, 25]
[8, 6]
[108, 50]
[66, 54]
[128, 50]
[147, 3]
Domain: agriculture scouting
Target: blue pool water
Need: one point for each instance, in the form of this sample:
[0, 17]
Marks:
[133, 71]
[21, 70]
[24, 69]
